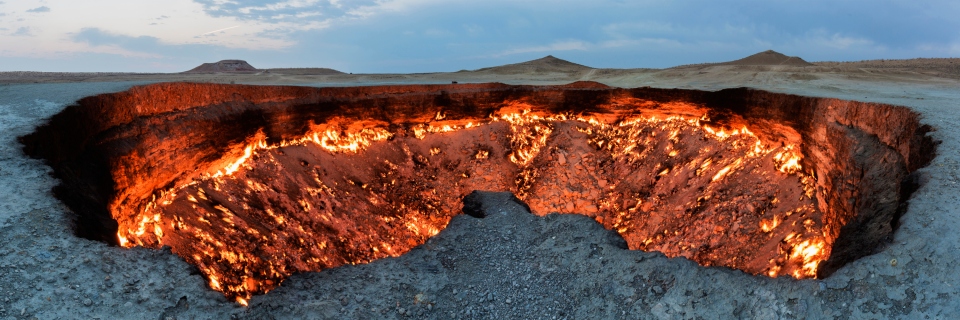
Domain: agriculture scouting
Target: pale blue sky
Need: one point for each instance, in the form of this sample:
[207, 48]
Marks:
[445, 35]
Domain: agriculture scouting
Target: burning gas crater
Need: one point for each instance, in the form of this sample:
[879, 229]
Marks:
[353, 193]
[682, 177]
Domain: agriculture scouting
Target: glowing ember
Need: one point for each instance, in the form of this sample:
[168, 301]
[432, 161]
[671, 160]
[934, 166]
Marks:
[348, 194]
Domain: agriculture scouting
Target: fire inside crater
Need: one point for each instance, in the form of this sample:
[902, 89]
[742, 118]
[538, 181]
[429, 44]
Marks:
[765, 183]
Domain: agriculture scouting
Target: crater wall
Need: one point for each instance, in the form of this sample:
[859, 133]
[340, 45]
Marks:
[115, 153]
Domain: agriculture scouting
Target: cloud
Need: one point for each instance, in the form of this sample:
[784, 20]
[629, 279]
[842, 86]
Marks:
[954, 49]
[142, 46]
[567, 45]
[473, 28]
[22, 32]
[214, 32]
[278, 22]
[645, 43]
[839, 41]
[272, 10]
[318, 13]
[624, 29]
[146, 47]
[39, 9]
[98, 37]
[822, 44]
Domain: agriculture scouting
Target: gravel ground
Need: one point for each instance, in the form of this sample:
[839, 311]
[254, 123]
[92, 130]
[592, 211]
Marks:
[509, 264]
[946, 67]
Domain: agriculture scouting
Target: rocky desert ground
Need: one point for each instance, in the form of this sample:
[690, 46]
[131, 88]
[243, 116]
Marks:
[510, 264]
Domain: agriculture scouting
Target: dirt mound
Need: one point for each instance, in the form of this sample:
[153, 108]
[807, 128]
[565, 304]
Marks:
[548, 64]
[768, 58]
[224, 66]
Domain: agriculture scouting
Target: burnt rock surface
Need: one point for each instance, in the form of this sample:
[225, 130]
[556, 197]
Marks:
[114, 152]
[491, 267]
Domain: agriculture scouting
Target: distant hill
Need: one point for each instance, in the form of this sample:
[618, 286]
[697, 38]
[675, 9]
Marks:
[769, 58]
[766, 58]
[224, 66]
[548, 64]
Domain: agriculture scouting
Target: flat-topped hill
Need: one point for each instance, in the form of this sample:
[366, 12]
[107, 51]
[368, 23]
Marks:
[223, 66]
[769, 58]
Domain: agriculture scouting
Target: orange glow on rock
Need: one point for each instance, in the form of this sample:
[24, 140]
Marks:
[353, 192]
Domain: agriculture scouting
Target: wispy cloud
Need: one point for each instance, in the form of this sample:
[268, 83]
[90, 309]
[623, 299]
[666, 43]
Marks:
[645, 43]
[22, 32]
[219, 30]
[954, 49]
[39, 9]
[279, 20]
[839, 41]
[277, 11]
[101, 41]
[567, 45]
[312, 14]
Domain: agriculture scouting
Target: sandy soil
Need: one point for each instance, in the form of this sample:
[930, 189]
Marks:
[510, 264]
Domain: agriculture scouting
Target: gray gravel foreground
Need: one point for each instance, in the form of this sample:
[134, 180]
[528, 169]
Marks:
[508, 265]
[514, 265]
